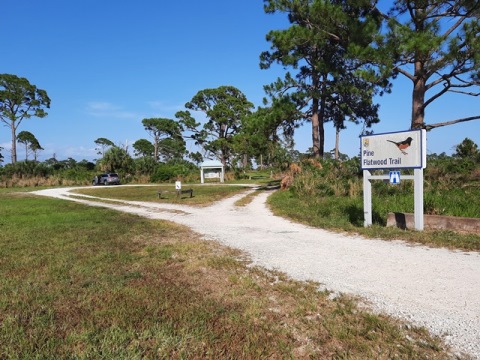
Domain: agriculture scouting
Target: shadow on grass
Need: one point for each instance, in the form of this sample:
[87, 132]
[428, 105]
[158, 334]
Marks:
[356, 216]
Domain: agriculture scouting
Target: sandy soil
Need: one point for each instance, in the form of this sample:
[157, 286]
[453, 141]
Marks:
[435, 288]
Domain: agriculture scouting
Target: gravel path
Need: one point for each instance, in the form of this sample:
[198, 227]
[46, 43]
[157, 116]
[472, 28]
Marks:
[435, 288]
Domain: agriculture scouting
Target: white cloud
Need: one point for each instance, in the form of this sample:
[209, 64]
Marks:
[109, 110]
[80, 152]
[165, 109]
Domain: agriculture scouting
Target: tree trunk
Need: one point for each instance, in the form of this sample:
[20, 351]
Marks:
[418, 97]
[321, 130]
[337, 142]
[315, 134]
[419, 76]
[315, 120]
[155, 146]
[14, 144]
[321, 118]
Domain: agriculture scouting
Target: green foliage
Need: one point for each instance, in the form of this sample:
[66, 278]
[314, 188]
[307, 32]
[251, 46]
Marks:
[78, 174]
[225, 107]
[145, 165]
[117, 160]
[143, 148]
[168, 142]
[328, 178]
[331, 83]
[445, 172]
[20, 100]
[265, 135]
[25, 169]
[174, 170]
[30, 141]
[103, 144]
[467, 149]
[331, 196]
[51, 172]
[435, 45]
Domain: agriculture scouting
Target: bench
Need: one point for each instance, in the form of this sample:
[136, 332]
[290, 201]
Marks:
[179, 193]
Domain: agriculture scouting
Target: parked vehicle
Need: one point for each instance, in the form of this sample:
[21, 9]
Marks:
[106, 179]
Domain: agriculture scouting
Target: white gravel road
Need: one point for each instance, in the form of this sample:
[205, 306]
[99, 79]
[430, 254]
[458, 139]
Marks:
[435, 288]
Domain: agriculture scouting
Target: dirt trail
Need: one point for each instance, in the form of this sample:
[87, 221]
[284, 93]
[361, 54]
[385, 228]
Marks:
[435, 288]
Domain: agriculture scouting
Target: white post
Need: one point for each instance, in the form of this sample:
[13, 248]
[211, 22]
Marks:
[222, 175]
[201, 175]
[367, 198]
[418, 194]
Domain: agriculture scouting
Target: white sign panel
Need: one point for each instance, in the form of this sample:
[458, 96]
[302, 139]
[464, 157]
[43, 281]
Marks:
[397, 150]
[212, 175]
[178, 185]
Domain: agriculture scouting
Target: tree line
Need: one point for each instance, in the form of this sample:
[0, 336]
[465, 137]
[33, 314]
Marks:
[339, 55]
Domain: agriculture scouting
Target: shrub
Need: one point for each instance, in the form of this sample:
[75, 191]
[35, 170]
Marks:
[172, 171]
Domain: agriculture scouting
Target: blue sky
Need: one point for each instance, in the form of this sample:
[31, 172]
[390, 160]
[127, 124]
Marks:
[106, 65]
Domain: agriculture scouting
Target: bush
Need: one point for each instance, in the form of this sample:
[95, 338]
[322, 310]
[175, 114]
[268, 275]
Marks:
[334, 190]
[328, 178]
[172, 171]
[27, 169]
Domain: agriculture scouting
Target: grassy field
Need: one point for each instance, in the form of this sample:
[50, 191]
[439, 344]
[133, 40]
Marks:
[202, 195]
[83, 282]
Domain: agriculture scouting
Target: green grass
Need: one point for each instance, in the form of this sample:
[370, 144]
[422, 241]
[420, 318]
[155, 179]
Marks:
[85, 282]
[346, 214]
[202, 195]
[455, 201]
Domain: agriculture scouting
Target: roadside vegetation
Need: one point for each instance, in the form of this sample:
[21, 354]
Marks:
[85, 282]
[328, 194]
[323, 193]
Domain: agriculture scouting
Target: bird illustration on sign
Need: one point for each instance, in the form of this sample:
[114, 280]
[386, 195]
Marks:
[403, 145]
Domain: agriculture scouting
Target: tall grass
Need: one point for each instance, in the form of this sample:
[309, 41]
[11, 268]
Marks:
[332, 197]
[38, 181]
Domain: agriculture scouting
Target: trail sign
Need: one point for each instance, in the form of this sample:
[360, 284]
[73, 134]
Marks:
[396, 150]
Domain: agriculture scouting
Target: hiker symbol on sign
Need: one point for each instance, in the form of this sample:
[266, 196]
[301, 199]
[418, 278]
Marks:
[395, 177]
